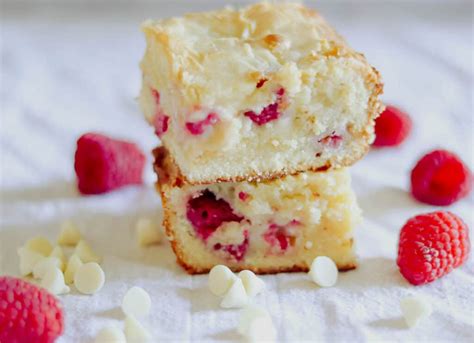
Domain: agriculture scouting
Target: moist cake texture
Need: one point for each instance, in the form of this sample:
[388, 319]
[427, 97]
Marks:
[256, 93]
[267, 227]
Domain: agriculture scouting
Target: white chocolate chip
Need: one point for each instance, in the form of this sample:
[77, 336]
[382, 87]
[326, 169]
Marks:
[323, 271]
[148, 232]
[135, 332]
[308, 245]
[236, 297]
[39, 245]
[136, 302]
[110, 334]
[53, 281]
[89, 278]
[247, 315]
[261, 329]
[70, 234]
[85, 252]
[44, 265]
[415, 309]
[28, 260]
[255, 324]
[221, 279]
[72, 265]
[252, 283]
[58, 253]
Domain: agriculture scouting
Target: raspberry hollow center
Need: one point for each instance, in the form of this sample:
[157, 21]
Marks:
[206, 213]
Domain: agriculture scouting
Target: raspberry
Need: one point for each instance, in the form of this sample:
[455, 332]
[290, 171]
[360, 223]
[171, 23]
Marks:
[279, 236]
[261, 82]
[333, 140]
[440, 178]
[237, 251]
[269, 113]
[160, 120]
[197, 128]
[431, 245]
[103, 164]
[28, 313]
[243, 196]
[160, 123]
[207, 213]
[392, 127]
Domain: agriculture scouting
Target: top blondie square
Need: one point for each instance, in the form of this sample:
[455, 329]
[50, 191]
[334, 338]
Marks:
[257, 93]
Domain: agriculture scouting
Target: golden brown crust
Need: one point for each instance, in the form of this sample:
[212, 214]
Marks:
[190, 269]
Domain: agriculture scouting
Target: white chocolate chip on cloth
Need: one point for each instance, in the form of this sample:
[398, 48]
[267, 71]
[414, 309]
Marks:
[136, 302]
[89, 278]
[323, 271]
[69, 234]
[415, 309]
[148, 232]
[220, 280]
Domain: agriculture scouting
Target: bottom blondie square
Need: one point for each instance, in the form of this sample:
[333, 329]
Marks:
[267, 227]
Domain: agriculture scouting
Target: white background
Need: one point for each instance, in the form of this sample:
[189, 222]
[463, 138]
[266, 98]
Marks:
[69, 67]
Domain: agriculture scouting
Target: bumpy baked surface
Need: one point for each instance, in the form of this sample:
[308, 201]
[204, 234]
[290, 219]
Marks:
[256, 93]
[267, 227]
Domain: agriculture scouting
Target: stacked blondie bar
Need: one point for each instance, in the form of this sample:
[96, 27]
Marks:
[259, 111]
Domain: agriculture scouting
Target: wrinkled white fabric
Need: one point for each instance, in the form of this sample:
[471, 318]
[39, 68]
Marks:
[71, 69]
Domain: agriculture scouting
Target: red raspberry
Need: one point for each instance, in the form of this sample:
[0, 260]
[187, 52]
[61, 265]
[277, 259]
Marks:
[103, 164]
[440, 178]
[431, 245]
[392, 127]
[237, 251]
[28, 313]
[160, 123]
[268, 113]
[207, 213]
[160, 120]
[243, 196]
[333, 140]
[280, 236]
[197, 128]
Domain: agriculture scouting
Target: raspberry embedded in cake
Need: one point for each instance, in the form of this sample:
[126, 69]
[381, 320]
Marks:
[213, 224]
[332, 141]
[282, 75]
[268, 113]
[206, 213]
[281, 238]
[160, 119]
[235, 251]
[198, 127]
[160, 123]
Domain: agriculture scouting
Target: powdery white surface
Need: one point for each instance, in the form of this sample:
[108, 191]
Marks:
[69, 70]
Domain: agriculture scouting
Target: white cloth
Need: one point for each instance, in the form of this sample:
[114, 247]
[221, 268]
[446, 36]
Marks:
[69, 70]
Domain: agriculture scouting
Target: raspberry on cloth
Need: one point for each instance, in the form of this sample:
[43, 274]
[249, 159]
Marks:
[431, 245]
[103, 164]
[440, 178]
[28, 313]
[392, 127]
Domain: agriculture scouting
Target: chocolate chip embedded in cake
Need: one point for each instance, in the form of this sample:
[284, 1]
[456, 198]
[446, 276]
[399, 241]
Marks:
[256, 93]
[264, 227]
